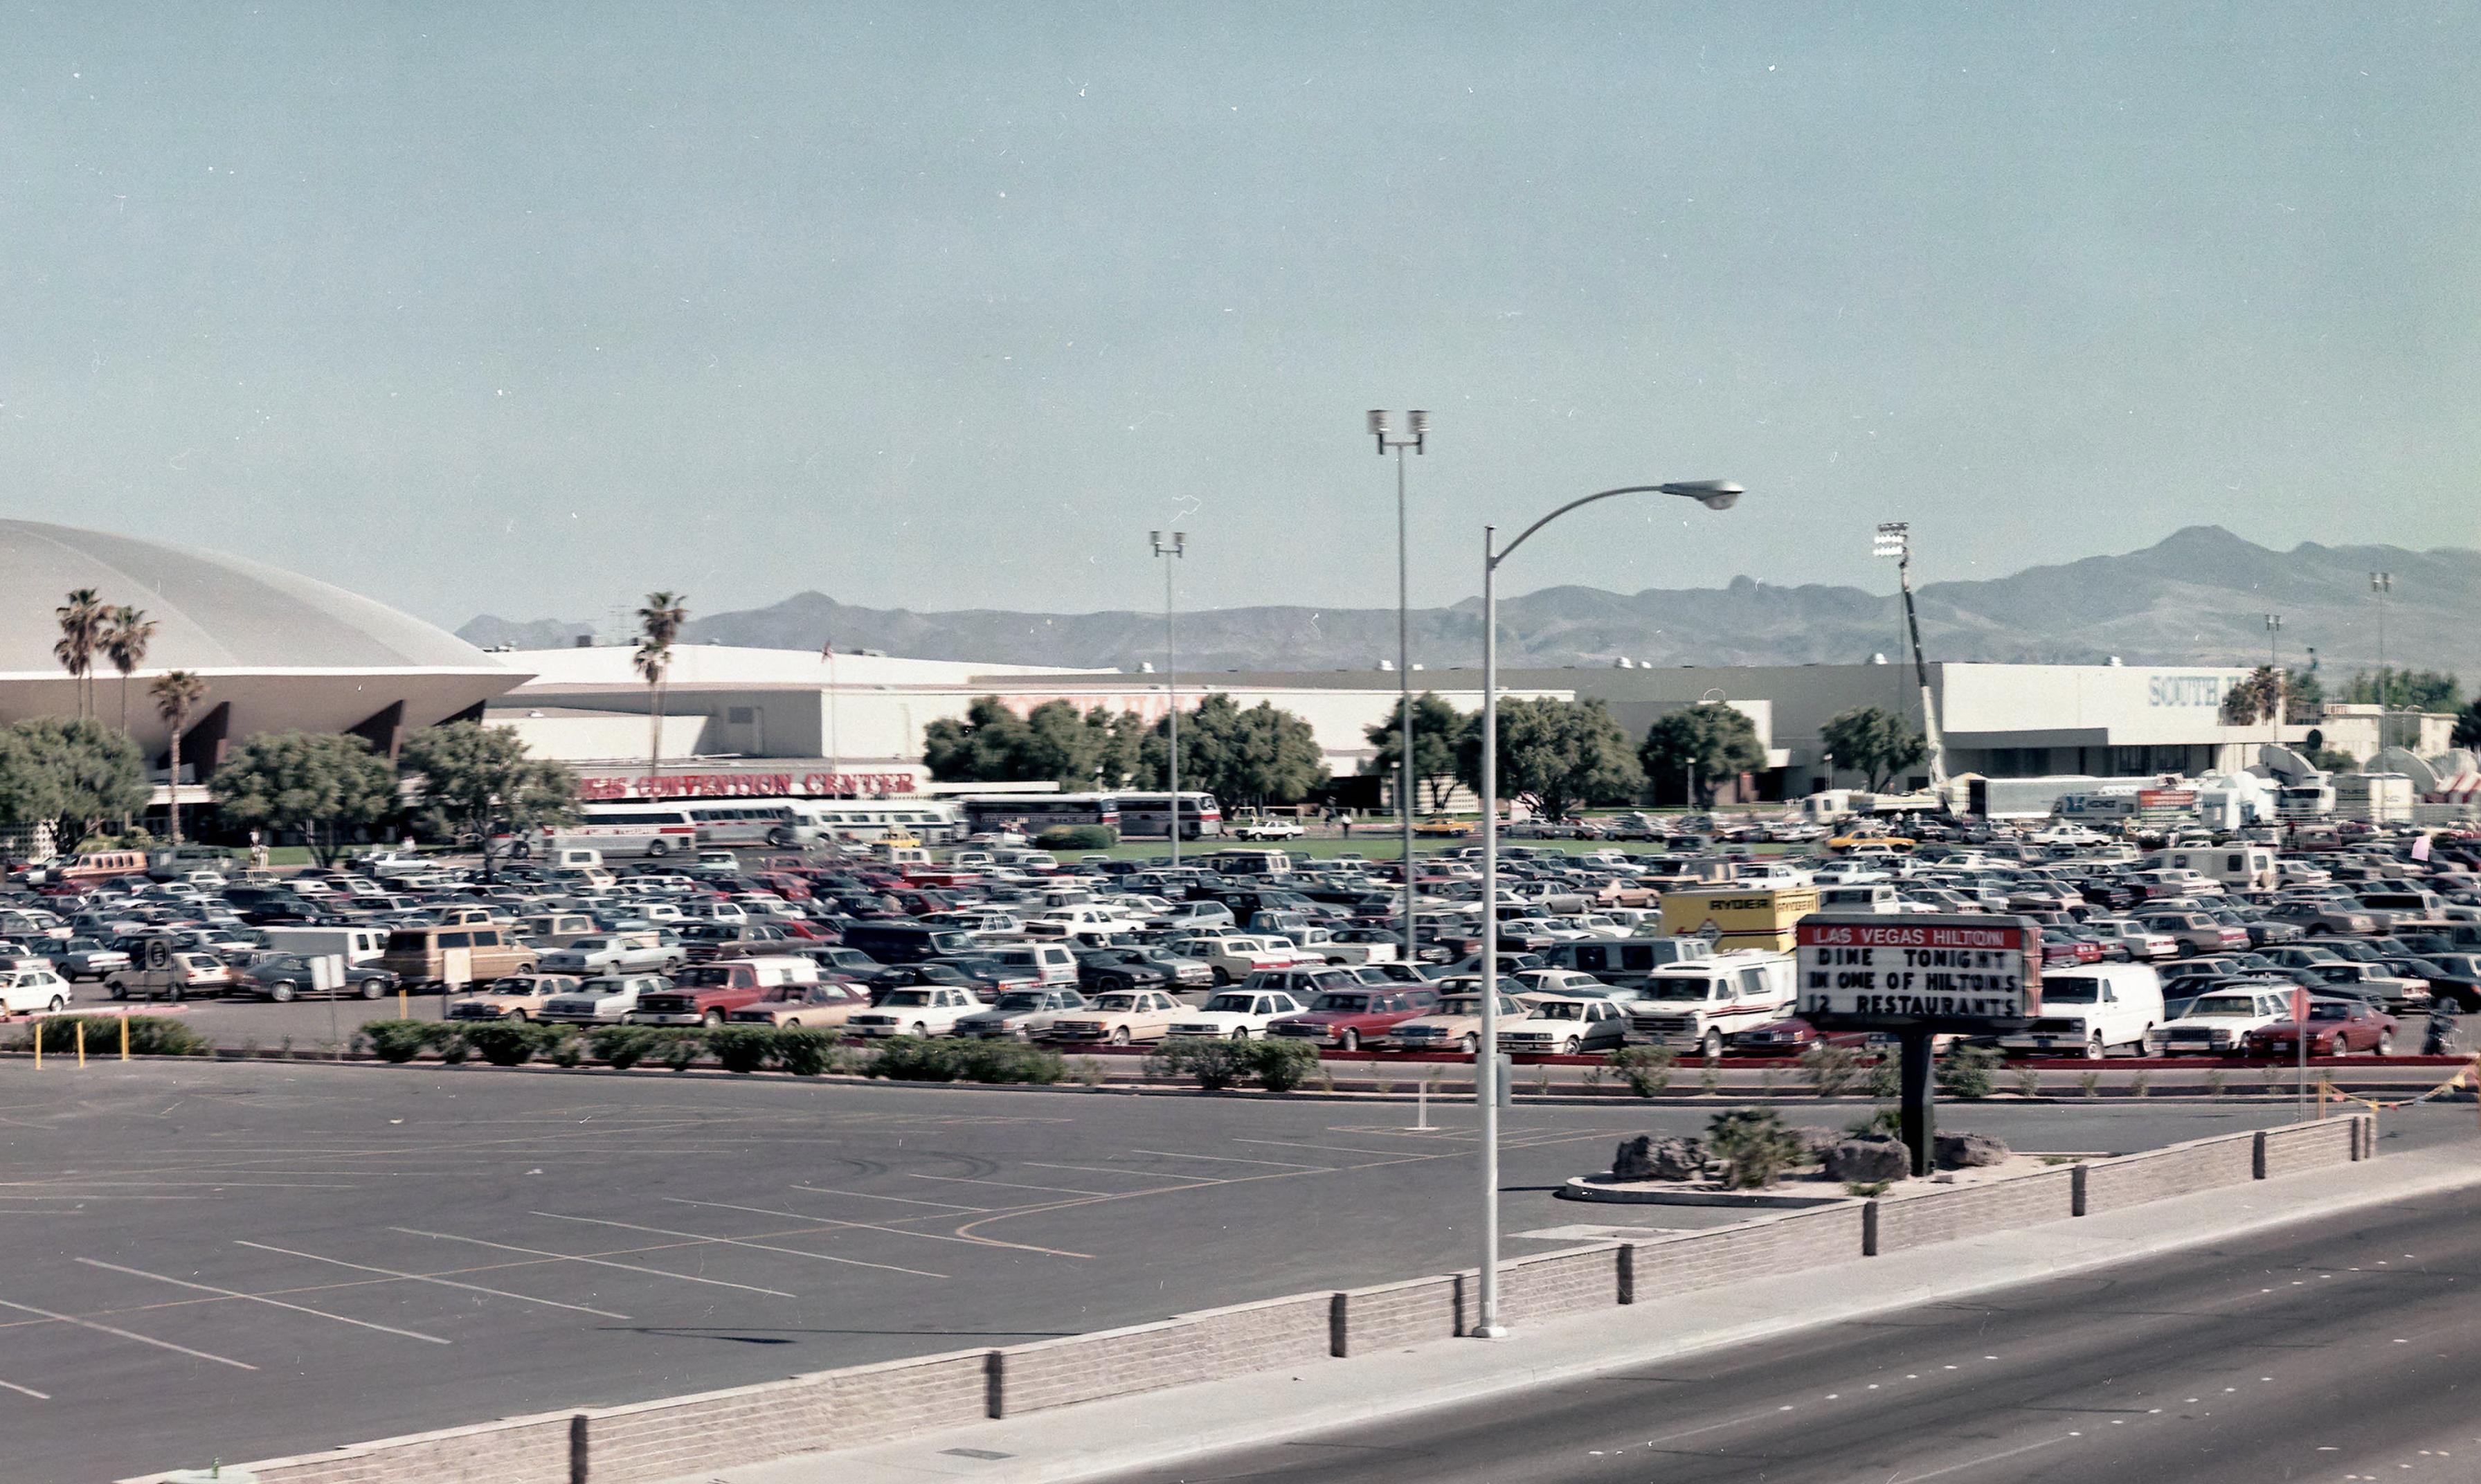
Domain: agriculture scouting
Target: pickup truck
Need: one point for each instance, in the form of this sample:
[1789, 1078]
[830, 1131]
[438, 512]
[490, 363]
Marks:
[1346, 1019]
[702, 994]
[1350, 945]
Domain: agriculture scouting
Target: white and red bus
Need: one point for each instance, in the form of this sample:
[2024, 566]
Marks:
[1150, 815]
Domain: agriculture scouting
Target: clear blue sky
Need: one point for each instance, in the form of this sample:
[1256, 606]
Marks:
[531, 308]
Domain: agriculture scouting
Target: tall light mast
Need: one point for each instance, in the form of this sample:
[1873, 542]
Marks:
[1895, 540]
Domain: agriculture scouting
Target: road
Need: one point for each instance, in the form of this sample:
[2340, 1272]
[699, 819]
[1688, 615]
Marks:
[2339, 1350]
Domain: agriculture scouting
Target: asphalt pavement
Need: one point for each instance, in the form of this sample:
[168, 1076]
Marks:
[2342, 1349]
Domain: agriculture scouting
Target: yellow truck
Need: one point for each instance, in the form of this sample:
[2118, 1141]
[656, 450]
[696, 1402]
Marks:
[1738, 917]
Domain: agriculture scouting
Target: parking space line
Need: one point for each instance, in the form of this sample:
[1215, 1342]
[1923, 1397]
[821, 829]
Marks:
[737, 1241]
[898, 1199]
[1004, 1185]
[257, 1299]
[1341, 1149]
[143, 1339]
[445, 1283]
[25, 1390]
[564, 1257]
[1105, 1169]
[1174, 1153]
[823, 1222]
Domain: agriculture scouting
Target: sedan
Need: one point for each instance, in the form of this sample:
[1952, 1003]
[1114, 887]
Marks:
[1021, 1015]
[87, 958]
[2337, 1028]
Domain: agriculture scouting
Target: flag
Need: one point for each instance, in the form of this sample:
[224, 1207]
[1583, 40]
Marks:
[2300, 1012]
[2420, 849]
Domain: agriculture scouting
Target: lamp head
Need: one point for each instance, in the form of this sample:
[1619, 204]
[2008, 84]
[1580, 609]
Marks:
[1713, 494]
[1420, 421]
[1378, 421]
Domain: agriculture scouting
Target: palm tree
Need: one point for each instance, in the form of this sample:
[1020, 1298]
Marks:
[81, 627]
[659, 624]
[125, 638]
[176, 694]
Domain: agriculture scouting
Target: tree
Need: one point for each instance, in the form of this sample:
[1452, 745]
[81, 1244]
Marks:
[1872, 743]
[2467, 727]
[321, 784]
[79, 774]
[1436, 726]
[1118, 743]
[1704, 744]
[477, 780]
[2304, 697]
[1052, 743]
[2255, 699]
[1259, 756]
[177, 695]
[1559, 754]
[2407, 689]
[81, 621]
[659, 624]
[126, 634]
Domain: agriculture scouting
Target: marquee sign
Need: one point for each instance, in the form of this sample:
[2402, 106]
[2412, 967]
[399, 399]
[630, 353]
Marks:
[605, 788]
[1957, 973]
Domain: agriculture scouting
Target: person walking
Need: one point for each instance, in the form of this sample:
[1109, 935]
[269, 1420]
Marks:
[2440, 1040]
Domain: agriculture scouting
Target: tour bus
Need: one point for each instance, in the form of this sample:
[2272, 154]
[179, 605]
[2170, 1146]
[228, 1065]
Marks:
[678, 828]
[860, 821]
[1150, 814]
[1039, 812]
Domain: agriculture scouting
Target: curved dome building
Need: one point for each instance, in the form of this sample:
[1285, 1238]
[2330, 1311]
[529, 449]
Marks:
[278, 651]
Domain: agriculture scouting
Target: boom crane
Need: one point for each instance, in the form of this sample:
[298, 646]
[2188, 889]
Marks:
[1895, 540]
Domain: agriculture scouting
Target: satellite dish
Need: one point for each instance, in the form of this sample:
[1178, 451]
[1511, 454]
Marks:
[2286, 765]
[2404, 761]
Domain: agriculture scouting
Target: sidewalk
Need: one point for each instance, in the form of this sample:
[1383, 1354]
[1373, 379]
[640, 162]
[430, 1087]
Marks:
[1099, 1438]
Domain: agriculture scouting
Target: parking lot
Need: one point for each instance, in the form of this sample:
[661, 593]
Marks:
[246, 1260]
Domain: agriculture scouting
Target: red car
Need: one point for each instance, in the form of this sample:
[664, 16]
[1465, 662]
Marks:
[2337, 1028]
[1786, 1037]
[1344, 1019]
[701, 993]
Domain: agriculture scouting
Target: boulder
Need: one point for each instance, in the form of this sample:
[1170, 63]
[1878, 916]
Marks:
[1868, 1160]
[1647, 1158]
[1967, 1151]
[1815, 1144]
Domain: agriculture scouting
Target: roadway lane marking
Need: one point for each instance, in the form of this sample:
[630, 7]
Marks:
[1976, 1463]
[737, 1241]
[143, 1339]
[256, 1298]
[898, 1199]
[445, 1283]
[565, 1257]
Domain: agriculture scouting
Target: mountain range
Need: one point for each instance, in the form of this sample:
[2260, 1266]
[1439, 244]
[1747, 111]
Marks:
[2200, 596]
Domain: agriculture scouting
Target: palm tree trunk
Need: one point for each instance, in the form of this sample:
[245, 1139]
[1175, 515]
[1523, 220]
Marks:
[124, 700]
[176, 807]
[655, 742]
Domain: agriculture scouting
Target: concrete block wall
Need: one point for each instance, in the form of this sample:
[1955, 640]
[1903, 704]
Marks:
[2310, 1146]
[1394, 1314]
[2200, 1165]
[1971, 1210]
[1549, 1284]
[863, 1404]
[1174, 1352]
[519, 1449]
[1768, 1244]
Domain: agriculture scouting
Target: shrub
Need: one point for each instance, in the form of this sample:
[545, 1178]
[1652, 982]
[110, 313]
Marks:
[453, 1046]
[2028, 1083]
[1964, 1073]
[2090, 1084]
[743, 1048]
[1077, 837]
[509, 1043]
[1886, 1076]
[1217, 1064]
[1647, 1069]
[679, 1049]
[565, 1047]
[804, 1051]
[149, 1035]
[2215, 1081]
[398, 1040]
[2138, 1085]
[621, 1046]
[1831, 1069]
[1009, 1061]
[1886, 1120]
[906, 1058]
[1754, 1146]
[1283, 1065]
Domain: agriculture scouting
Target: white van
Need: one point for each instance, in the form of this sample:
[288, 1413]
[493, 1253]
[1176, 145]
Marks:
[1700, 1002]
[2094, 1010]
[2239, 867]
[1877, 897]
[357, 945]
[1049, 963]
[573, 858]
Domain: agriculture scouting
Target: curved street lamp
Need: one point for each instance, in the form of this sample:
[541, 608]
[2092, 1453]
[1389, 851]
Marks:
[1715, 495]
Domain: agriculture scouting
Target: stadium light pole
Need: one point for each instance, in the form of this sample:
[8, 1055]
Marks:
[1419, 422]
[1171, 551]
[2382, 584]
[2273, 675]
[1715, 495]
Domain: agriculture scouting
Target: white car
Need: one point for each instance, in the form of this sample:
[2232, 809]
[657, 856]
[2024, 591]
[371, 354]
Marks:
[1250, 825]
[27, 991]
[2141, 940]
[914, 1009]
[2221, 1022]
[1236, 1014]
[1566, 1025]
[601, 1002]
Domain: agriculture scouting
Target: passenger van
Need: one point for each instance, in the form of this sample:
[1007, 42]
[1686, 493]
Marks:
[2239, 867]
[2094, 1010]
[1047, 964]
[1878, 898]
[357, 945]
[1625, 961]
[1250, 863]
[462, 953]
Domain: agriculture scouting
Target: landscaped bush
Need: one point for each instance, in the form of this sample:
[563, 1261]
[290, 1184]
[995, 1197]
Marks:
[909, 1058]
[679, 1048]
[1283, 1065]
[1647, 1068]
[804, 1051]
[743, 1048]
[1965, 1073]
[1754, 1146]
[149, 1035]
[403, 1040]
[1217, 1064]
[1831, 1069]
[1077, 837]
[621, 1046]
[509, 1043]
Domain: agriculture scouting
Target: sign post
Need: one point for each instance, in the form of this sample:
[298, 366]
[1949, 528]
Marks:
[1919, 978]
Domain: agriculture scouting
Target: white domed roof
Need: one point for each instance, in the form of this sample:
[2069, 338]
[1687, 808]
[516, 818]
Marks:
[212, 611]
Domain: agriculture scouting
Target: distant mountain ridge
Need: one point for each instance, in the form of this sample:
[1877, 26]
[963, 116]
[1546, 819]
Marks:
[2197, 597]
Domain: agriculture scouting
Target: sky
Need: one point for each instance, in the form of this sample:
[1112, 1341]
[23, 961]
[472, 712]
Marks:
[531, 309]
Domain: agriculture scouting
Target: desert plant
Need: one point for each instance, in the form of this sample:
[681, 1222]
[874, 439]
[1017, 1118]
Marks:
[2090, 1084]
[1754, 1146]
[1646, 1069]
[621, 1046]
[2138, 1085]
[2028, 1081]
[1881, 1122]
[398, 1040]
[1831, 1069]
[1867, 1189]
[742, 1048]
[1009, 1061]
[1964, 1073]
[453, 1046]
[1769, 1081]
[805, 1052]
[1087, 1070]
[909, 1058]
[1217, 1064]
[1283, 1065]
[507, 1043]
[2215, 1081]
[1886, 1077]
[679, 1049]
[149, 1035]
[565, 1049]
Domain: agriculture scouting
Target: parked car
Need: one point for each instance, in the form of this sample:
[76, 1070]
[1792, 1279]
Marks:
[1566, 1025]
[915, 1009]
[619, 953]
[603, 1001]
[707, 994]
[2336, 1027]
[1110, 969]
[180, 976]
[802, 1004]
[2317, 919]
[1236, 1014]
[2222, 1020]
[87, 958]
[2091, 1012]
[516, 997]
[32, 991]
[2376, 985]
[1022, 1015]
[2196, 932]
[284, 976]
[1346, 1019]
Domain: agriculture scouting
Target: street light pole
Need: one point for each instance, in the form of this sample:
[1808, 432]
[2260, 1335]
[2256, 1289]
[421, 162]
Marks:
[2382, 584]
[1715, 495]
[2274, 672]
[1172, 550]
[1406, 781]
